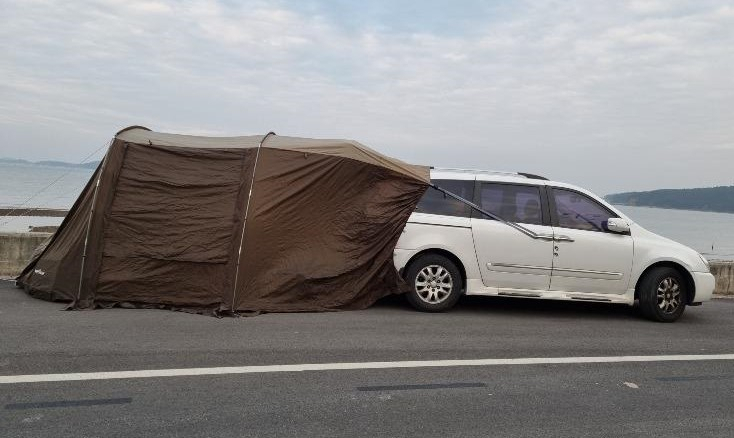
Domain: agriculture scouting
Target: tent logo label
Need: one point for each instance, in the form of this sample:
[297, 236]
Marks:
[39, 271]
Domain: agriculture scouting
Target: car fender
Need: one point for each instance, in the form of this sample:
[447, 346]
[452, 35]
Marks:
[454, 239]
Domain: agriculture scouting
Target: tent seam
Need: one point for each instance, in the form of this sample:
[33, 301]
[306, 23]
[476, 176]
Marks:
[244, 222]
[89, 223]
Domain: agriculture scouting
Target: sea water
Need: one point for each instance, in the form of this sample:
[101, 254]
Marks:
[25, 187]
[711, 234]
[34, 186]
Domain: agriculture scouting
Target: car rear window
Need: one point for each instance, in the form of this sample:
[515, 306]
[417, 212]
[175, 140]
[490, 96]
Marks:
[436, 202]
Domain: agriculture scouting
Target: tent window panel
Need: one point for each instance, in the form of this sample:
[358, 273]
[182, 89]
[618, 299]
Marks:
[174, 205]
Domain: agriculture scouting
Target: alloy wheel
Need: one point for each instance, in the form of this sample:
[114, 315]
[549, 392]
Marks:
[669, 295]
[433, 284]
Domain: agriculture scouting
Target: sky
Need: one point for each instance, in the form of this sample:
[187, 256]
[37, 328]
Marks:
[609, 95]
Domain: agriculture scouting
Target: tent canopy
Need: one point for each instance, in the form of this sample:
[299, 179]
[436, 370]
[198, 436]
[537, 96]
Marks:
[336, 148]
[229, 224]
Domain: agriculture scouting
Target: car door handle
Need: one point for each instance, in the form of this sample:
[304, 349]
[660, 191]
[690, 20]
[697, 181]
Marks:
[563, 239]
[543, 236]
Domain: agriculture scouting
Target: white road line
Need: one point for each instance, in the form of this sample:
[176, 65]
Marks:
[251, 369]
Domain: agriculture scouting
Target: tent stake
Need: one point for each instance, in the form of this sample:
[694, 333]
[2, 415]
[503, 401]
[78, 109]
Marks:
[244, 221]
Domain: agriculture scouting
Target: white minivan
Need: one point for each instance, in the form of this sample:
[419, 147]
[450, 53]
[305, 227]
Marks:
[566, 244]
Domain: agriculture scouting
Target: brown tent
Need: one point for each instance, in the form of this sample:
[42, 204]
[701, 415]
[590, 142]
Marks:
[257, 223]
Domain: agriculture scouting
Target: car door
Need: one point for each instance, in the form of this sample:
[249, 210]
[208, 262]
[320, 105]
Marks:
[509, 259]
[587, 257]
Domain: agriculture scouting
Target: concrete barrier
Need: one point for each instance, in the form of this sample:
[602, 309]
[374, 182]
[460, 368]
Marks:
[16, 249]
[724, 273]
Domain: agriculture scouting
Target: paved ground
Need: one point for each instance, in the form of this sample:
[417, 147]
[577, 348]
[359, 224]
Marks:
[688, 398]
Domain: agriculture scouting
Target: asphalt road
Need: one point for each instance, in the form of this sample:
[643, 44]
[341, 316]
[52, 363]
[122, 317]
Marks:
[661, 398]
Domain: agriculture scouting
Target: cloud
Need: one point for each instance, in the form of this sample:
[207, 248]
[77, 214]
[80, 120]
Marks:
[581, 91]
[649, 6]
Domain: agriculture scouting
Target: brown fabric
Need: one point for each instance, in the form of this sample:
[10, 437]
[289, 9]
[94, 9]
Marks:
[321, 233]
[167, 226]
[169, 231]
[110, 171]
[54, 274]
[348, 149]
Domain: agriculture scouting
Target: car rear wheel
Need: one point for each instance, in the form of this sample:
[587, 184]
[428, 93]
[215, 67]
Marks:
[435, 281]
[663, 295]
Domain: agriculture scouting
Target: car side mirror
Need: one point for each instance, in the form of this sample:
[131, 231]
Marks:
[617, 225]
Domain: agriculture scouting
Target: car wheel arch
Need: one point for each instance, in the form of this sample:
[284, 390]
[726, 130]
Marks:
[448, 254]
[690, 284]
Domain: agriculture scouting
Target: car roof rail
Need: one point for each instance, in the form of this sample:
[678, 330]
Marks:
[487, 172]
[490, 172]
[532, 176]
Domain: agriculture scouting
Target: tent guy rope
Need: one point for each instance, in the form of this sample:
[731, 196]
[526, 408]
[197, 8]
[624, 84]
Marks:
[51, 184]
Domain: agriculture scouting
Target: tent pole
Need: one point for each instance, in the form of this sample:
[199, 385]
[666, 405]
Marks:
[511, 224]
[89, 221]
[244, 221]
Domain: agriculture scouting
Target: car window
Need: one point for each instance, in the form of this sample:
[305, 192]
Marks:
[436, 202]
[578, 211]
[515, 203]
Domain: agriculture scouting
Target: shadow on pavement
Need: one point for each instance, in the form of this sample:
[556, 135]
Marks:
[502, 306]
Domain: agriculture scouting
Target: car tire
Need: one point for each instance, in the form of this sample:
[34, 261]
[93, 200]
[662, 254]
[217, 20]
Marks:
[435, 283]
[663, 294]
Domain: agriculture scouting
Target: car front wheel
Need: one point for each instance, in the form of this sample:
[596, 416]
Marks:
[435, 281]
[663, 295]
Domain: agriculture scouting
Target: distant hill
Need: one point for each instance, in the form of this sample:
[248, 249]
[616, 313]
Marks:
[719, 199]
[89, 165]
